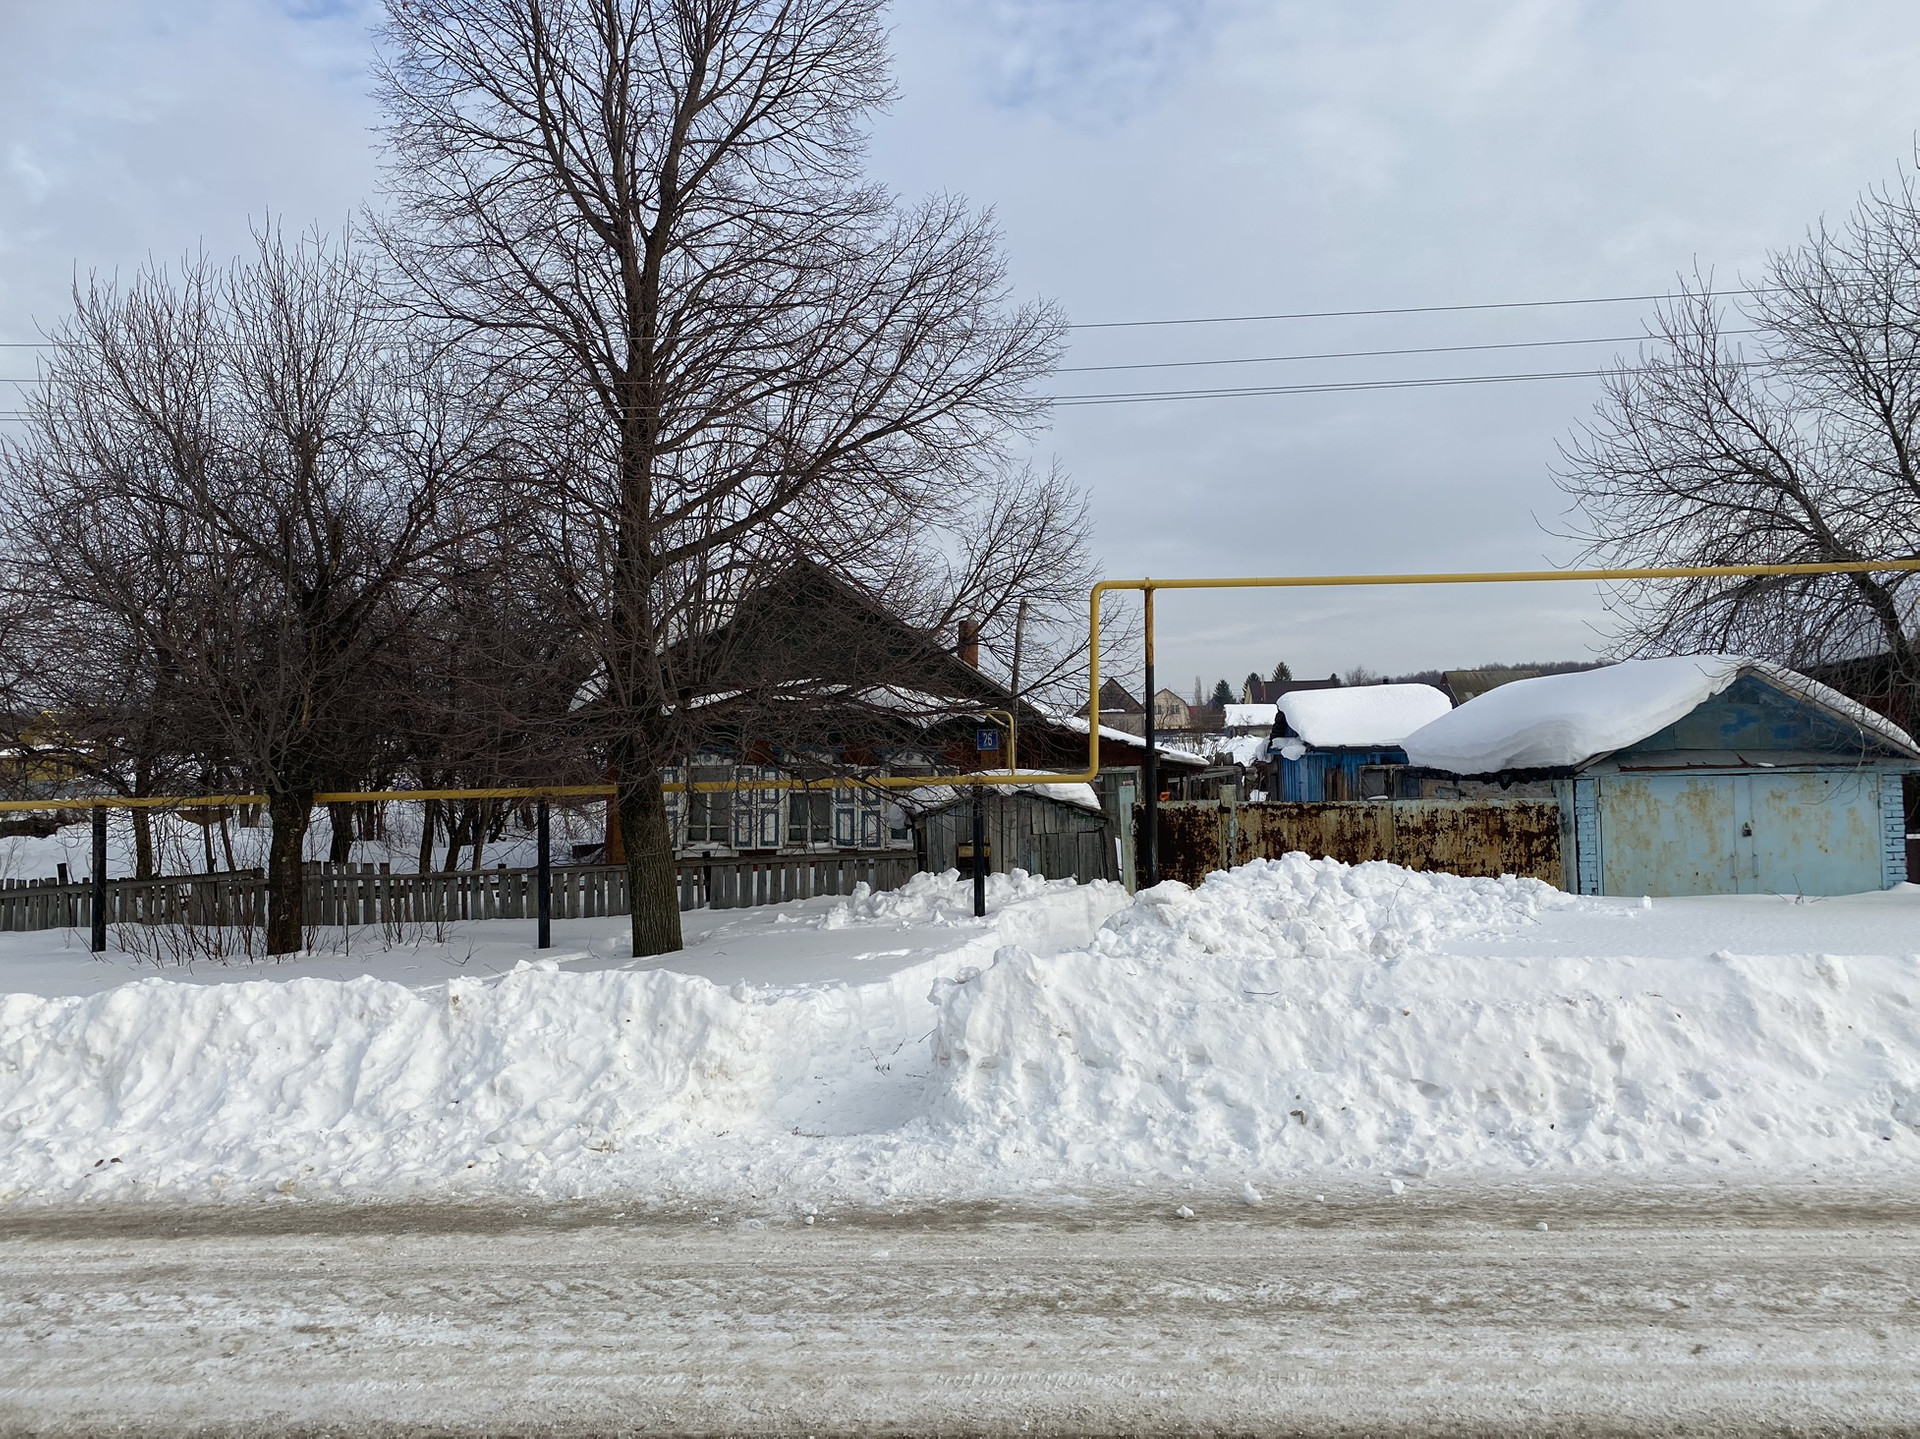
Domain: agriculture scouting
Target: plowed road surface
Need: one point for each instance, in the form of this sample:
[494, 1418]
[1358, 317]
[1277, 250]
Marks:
[1426, 1313]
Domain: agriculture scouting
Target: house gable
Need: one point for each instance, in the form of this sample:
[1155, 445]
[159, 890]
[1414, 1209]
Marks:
[1752, 717]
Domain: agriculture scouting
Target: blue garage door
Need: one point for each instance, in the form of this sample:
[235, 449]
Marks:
[1782, 832]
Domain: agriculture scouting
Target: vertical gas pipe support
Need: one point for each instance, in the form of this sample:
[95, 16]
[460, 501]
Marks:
[1150, 831]
[545, 848]
[979, 854]
[99, 879]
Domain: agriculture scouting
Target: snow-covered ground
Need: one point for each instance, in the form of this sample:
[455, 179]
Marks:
[1293, 1023]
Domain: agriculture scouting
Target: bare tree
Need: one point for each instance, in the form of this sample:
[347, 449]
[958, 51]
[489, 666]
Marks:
[240, 475]
[1777, 426]
[652, 211]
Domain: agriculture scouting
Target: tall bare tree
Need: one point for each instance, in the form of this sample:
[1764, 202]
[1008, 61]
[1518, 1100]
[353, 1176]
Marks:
[652, 211]
[1776, 425]
[241, 474]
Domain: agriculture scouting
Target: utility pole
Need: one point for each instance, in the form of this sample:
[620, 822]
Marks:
[545, 860]
[979, 853]
[99, 879]
[1150, 770]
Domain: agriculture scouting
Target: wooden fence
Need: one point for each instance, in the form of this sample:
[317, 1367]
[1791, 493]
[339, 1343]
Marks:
[367, 894]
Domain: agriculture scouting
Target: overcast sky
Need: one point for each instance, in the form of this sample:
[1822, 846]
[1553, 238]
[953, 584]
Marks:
[1157, 159]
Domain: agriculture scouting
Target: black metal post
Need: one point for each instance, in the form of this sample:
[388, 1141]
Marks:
[1150, 769]
[99, 879]
[546, 880]
[979, 855]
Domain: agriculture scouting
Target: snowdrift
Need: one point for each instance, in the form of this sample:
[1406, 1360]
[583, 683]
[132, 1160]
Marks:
[1292, 1020]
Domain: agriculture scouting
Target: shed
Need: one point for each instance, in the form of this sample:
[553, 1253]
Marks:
[1344, 743]
[1696, 774]
[1058, 830]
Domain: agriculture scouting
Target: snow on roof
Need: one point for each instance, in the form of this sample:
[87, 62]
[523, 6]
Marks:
[1251, 716]
[1080, 796]
[1164, 751]
[1246, 751]
[1354, 716]
[1560, 720]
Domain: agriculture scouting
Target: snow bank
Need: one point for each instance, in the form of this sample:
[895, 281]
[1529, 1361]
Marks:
[1292, 1016]
[1555, 720]
[1359, 715]
[1291, 1020]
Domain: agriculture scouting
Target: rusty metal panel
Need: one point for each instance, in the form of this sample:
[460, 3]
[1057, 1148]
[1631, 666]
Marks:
[1468, 837]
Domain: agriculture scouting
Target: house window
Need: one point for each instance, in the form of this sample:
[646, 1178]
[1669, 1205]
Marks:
[710, 812]
[810, 817]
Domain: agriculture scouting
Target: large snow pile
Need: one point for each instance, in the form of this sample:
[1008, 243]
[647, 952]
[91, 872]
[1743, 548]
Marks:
[1555, 720]
[1360, 715]
[1291, 1019]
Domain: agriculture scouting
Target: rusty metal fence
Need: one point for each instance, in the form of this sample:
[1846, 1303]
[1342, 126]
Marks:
[1465, 837]
[354, 895]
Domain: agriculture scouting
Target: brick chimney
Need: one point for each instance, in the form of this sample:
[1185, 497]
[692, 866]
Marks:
[969, 650]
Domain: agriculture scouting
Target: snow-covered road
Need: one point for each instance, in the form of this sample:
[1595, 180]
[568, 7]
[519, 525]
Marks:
[1644, 1312]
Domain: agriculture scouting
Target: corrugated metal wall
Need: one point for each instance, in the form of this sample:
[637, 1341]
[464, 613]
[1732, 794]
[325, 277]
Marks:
[1469, 837]
[1776, 831]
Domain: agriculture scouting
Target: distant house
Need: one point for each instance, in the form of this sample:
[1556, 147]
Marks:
[1119, 709]
[1170, 712]
[815, 679]
[1463, 685]
[1699, 774]
[1266, 692]
[1344, 742]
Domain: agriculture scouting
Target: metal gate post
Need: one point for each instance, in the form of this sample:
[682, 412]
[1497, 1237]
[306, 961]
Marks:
[1150, 831]
[979, 855]
[545, 883]
[99, 879]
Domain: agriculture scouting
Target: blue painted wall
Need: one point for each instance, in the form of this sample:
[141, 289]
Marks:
[1322, 774]
[1646, 820]
[1754, 717]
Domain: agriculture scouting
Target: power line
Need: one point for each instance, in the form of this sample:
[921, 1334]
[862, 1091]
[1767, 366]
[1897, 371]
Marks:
[1368, 354]
[1393, 310]
[1311, 355]
[1433, 382]
[1124, 397]
[1257, 319]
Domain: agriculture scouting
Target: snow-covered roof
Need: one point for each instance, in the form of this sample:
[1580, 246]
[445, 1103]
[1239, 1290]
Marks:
[1356, 716]
[1556, 721]
[1080, 796]
[1251, 716]
[1164, 751]
[1246, 751]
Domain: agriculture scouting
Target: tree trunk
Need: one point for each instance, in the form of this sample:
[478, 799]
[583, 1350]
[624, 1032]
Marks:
[653, 880]
[479, 836]
[429, 822]
[288, 816]
[457, 827]
[340, 845]
[143, 867]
